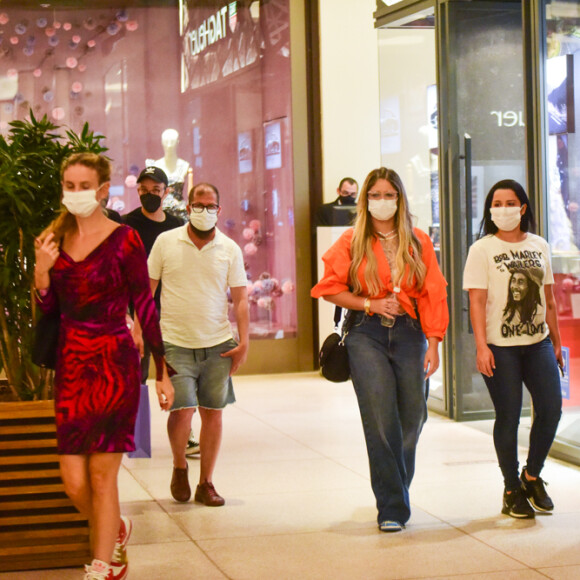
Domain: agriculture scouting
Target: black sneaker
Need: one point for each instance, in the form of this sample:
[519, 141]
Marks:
[535, 491]
[516, 505]
[193, 447]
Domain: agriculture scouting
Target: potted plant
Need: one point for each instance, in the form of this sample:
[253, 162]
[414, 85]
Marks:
[39, 526]
[30, 193]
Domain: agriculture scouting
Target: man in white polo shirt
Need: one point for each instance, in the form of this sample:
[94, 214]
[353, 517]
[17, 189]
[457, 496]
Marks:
[197, 265]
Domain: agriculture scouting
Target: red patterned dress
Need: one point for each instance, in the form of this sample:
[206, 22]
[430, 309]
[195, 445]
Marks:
[97, 378]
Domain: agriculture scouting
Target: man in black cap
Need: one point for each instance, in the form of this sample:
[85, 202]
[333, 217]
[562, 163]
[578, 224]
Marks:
[150, 220]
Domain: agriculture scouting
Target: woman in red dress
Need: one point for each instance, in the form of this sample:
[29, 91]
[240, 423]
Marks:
[91, 268]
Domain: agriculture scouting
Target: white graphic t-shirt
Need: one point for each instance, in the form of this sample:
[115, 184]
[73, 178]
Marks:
[514, 275]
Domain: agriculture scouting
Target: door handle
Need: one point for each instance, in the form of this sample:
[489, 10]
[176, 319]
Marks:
[468, 192]
[468, 211]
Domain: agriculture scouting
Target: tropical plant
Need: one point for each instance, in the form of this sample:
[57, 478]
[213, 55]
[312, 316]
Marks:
[30, 190]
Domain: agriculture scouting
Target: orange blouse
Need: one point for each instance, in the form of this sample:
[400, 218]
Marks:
[431, 298]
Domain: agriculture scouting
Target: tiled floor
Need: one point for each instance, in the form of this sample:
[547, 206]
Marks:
[294, 473]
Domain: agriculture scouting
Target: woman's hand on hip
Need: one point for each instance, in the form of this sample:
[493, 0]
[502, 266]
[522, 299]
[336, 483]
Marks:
[485, 361]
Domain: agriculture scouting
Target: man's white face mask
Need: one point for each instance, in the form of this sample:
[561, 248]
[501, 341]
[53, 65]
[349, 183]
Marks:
[203, 221]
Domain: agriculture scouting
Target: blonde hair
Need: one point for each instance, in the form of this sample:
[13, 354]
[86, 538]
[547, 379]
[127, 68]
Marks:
[409, 252]
[65, 222]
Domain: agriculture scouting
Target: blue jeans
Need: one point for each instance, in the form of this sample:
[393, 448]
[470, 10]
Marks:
[535, 365]
[203, 376]
[386, 367]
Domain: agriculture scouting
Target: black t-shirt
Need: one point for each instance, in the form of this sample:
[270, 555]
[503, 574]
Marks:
[148, 229]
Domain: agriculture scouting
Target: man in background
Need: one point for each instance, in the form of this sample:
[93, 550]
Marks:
[341, 211]
[150, 220]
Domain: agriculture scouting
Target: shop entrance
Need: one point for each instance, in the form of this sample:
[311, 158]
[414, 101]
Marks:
[452, 124]
[483, 139]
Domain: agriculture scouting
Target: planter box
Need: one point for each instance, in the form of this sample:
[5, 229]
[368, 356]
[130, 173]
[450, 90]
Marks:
[39, 526]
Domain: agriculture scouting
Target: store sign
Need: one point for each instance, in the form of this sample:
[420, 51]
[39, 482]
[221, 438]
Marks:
[209, 32]
[209, 50]
[509, 118]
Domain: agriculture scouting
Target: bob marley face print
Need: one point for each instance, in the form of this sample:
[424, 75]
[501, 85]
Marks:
[519, 286]
[524, 302]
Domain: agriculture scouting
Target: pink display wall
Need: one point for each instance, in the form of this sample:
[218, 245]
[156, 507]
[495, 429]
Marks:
[131, 73]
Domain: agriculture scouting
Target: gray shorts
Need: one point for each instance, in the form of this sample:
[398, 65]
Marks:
[203, 376]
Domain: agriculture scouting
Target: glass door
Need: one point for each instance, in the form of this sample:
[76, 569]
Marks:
[561, 82]
[409, 129]
[483, 141]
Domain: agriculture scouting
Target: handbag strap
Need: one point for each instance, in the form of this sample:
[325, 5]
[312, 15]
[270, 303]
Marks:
[337, 315]
[342, 331]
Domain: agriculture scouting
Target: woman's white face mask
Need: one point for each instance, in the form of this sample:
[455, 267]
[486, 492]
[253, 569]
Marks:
[81, 203]
[382, 209]
[506, 219]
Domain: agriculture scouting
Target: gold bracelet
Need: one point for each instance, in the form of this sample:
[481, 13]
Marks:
[367, 305]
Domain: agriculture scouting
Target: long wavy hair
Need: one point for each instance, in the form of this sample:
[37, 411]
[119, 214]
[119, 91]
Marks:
[409, 252]
[65, 222]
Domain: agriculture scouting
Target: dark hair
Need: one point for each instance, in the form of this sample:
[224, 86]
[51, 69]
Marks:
[527, 224]
[347, 180]
[204, 186]
[529, 305]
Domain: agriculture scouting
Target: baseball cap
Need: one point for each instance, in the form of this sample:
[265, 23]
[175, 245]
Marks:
[154, 173]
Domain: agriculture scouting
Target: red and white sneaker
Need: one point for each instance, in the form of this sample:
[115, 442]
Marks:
[120, 553]
[118, 572]
[98, 570]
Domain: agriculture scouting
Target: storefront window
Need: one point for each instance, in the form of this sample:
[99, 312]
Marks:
[562, 84]
[409, 125]
[204, 92]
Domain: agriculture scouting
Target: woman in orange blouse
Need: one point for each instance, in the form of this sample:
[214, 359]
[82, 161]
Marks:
[385, 273]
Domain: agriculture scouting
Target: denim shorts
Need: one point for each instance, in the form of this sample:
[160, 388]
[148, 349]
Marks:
[203, 376]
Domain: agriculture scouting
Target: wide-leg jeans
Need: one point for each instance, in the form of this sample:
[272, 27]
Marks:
[536, 367]
[386, 366]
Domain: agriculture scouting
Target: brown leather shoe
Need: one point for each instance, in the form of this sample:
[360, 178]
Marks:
[206, 494]
[180, 489]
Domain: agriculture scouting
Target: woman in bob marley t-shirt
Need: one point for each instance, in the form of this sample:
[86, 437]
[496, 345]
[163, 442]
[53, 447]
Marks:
[515, 325]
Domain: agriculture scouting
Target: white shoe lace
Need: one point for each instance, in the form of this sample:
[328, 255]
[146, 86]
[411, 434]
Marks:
[91, 574]
[120, 553]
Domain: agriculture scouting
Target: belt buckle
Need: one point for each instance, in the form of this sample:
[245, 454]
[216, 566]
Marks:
[388, 322]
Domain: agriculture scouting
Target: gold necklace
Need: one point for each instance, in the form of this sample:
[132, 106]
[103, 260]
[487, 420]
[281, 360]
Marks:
[388, 235]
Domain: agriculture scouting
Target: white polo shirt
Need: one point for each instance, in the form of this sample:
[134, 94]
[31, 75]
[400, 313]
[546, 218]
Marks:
[194, 303]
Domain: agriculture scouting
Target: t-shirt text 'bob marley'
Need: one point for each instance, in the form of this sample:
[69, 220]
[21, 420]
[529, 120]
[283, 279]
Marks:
[514, 275]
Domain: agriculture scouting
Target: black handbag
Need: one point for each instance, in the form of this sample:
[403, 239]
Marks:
[333, 357]
[46, 340]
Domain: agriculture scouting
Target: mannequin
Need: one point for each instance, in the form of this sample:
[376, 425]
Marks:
[176, 171]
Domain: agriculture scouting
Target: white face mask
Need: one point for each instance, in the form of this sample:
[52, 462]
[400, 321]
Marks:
[81, 203]
[203, 221]
[383, 209]
[506, 218]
